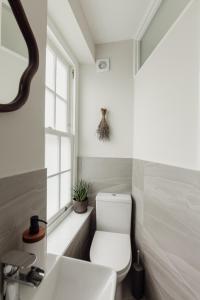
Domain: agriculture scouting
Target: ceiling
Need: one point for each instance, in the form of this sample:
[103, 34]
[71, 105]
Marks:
[115, 20]
[66, 16]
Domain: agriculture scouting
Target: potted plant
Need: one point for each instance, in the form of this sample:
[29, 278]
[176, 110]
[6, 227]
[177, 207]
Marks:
[80, 197]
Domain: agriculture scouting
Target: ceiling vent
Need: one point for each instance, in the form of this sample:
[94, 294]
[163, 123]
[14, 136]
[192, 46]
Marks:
[103, 65]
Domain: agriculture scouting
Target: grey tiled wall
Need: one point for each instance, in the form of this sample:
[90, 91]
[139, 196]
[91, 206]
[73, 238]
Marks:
[106, 175]
[80, 246]
[167, 229]
[20, 197]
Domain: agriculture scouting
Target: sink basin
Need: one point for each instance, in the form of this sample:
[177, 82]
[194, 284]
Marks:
[72, 279]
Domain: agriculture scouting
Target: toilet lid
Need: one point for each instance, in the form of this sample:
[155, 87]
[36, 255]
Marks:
[111, 249]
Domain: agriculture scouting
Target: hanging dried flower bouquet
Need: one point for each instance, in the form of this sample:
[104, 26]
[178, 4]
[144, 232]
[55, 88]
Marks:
[103, 130]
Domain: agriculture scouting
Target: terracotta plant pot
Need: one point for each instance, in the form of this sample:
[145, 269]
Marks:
[80, 207]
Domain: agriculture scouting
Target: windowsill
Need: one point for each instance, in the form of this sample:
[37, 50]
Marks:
[63, 235]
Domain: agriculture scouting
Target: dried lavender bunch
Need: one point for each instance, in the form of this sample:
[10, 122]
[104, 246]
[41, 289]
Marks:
[103, 130]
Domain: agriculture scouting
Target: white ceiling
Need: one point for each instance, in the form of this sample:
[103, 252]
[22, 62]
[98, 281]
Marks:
[115, 20]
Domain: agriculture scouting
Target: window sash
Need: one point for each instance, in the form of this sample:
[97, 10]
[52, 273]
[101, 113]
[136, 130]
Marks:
[58, 133]
[68, 99]
[68, 204]
[61, 134]
[59, 214]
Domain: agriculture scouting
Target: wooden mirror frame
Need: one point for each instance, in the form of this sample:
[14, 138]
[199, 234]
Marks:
[33, 56]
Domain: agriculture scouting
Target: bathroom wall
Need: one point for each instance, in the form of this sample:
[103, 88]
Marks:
[163, 20]
[166, 177]
[113, 90]
[80, 246]
[167, 229]
[21, 197]
[106, 175]
[0, 17]
[107, 165]
[166, 98]
[22, 132]
[22, 174]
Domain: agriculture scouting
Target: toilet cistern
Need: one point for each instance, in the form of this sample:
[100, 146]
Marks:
[17, 268]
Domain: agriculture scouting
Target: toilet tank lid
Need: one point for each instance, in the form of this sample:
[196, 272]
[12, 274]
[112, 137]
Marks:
[111, 197]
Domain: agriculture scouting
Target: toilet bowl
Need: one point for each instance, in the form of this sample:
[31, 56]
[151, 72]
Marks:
[112, 250]
[111, 245]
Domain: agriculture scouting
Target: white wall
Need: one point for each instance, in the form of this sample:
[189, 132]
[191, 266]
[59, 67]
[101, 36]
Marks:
[0, 17]
[163, 20]
[113, 90]
[199, 80]
[166, 110]
[22, 132]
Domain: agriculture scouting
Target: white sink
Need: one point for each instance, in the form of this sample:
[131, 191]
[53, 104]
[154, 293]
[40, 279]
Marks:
[72, 279]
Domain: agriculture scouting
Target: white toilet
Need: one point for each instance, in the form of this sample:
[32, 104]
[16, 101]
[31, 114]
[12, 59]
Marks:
[111, 245]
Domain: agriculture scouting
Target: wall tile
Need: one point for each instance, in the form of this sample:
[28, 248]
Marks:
[20, 197]
[106, 175]
[80, 246]
[168, 225]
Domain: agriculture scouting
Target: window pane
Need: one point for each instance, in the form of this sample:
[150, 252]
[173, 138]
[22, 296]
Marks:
[52, 154]
[49, 109]
[52, 196]
[65, 189]
[61, 115]
[61, 79]
[65, 154]
[50, 69]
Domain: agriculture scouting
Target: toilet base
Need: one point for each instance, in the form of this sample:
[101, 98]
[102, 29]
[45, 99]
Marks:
[118, 295]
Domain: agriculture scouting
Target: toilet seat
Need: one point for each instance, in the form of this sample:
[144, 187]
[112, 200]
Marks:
[112, 250]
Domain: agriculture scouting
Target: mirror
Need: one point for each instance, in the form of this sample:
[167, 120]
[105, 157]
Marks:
[19, 57]
[13, 55]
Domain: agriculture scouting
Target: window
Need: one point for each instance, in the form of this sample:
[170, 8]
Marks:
[59, 136]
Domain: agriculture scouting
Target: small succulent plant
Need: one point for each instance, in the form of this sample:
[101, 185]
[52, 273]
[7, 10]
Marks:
[80, 191]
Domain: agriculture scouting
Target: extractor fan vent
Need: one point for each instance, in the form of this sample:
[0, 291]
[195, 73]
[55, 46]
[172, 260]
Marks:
[103, 65]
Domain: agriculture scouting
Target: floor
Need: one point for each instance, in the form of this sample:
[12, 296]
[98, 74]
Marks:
[126, 289]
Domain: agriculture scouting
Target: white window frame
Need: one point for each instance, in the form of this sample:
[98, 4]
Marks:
[70, 133]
